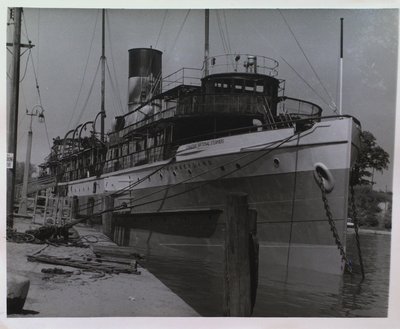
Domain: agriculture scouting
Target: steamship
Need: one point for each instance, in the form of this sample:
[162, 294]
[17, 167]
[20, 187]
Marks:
[193, 137]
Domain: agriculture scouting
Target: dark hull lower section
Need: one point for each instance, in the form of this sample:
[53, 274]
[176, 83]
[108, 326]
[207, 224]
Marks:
[293, 231]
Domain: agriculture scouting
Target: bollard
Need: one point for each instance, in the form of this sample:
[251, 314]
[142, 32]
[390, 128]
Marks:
[241, 257]
[17, 290]
[106, 218]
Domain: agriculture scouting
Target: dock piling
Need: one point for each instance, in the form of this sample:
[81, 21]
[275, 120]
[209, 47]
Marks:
[241, 256]
[106, 217]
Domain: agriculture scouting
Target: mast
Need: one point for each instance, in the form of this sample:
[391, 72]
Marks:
[206, 40]
[341, 68]
[13, 117]
[103, 73]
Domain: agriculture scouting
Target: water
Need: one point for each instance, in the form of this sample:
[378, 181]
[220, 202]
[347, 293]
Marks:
[301, 294]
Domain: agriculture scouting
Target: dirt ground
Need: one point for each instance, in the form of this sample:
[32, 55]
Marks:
[88, 294]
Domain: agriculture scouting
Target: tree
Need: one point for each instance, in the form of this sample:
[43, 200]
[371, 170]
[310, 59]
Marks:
[372, 158]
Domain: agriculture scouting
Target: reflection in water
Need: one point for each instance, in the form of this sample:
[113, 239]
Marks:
[301, 294]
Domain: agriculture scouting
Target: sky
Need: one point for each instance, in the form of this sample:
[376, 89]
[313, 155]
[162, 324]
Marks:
[67, 52]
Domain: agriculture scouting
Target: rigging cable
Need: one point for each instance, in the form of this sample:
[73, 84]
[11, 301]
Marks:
[221, 34]
[290, 66]
[84, 73]
[227, 32]
[304, 80]
[36, 81]
[113, 65]
[162, 26]
[179, 32]
[208, 182]
[309, 63]
[89, 94]
[38, 42]
[265, 147]
[114, 92]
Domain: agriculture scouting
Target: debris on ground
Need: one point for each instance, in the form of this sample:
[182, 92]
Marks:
[56, 270]
[127, 253]
[85, 264]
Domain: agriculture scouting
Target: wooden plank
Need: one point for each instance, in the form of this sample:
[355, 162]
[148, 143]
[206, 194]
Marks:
[237, 278]
[107, 217]
[84, 264]
[116, 251]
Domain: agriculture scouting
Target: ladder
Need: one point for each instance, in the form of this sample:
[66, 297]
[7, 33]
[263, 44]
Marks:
[268, 114]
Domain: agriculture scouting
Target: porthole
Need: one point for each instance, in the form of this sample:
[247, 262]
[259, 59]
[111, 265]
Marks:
[276, 162]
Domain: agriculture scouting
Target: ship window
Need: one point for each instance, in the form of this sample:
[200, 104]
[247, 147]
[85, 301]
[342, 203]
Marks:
[260, 89]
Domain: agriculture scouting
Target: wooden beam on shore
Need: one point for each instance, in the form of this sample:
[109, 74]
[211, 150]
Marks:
[241, 257]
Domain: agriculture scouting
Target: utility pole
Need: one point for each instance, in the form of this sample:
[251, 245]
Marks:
[23, 205]
[13, 117]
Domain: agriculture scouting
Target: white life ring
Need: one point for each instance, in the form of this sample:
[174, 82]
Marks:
[327, 177]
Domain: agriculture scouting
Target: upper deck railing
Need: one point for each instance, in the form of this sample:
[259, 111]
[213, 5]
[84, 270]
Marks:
[228, 63]
[242, 63]
[184, 76]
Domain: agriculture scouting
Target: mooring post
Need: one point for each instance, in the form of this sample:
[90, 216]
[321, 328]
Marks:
[74, 207]
[238, 278]
[106, 217]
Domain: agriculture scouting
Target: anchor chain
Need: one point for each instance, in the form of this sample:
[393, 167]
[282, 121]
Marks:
[332, 225]
[356, 225]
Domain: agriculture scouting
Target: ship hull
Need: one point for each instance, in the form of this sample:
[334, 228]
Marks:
[176, 209]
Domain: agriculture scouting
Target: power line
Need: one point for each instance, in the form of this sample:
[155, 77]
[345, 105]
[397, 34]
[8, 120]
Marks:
[26, 67]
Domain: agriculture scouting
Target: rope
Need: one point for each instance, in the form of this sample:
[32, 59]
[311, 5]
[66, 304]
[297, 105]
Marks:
[208, 182]
[129, 187]
[332, 225]
[356, 224]
[124, 206]
[293, 205]
[17, 237]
